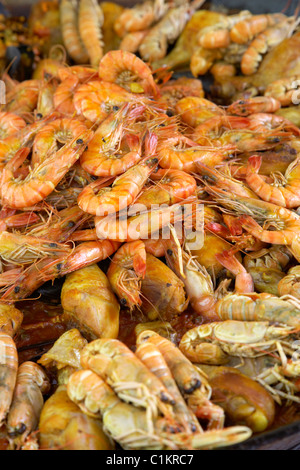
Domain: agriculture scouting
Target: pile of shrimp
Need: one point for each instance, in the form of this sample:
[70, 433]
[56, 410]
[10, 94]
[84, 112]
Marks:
[97, 165]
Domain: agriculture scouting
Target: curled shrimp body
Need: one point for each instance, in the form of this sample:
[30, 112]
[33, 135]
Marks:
[27, 403]
[155, 44]
[175, 90]
[171, 186]
[97, 99]
[128, 71]
[106, 154]
[72, 41]
[52, 136]
[14, 143]
[283, 89]
[247, 29]
[264, 122]
[23, 98]
[268, 39]
[10, 124]
[43, 178]
[194, 110]
[123, 192]
[127, 269]
[71, 78]
[181, 153]
[289, 285]
[90, 23]
[140, 16]
[243, 280]
[285, 193]
[8, 373]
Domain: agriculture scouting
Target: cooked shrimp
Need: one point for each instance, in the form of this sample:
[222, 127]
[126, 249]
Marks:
[90, 23]
[258, 104]
[132, 41]
[170, 186]
[247, 29]
[140, 16]
[72, 41]
[122, 194]
[285, 190]
[265, 41]
[10, 124]
[126, 271]
[128, 71]
[43, 178]
[23, 98]
[284, 89]
[8, 373]
[243, 280]
[106, 154]
[27, 403]
[97, 99]
[194, 110]
[53, 136]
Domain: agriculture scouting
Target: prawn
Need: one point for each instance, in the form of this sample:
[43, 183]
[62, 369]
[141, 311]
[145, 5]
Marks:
[91, 20]
[247, 29]
[128, 71]
[284, 89]
[140, 17]
[258, 104]
[71, 37]
[284, 191]
[106, 154]
[27, 402]
[10, 124]
[43, 178]
[126, 271]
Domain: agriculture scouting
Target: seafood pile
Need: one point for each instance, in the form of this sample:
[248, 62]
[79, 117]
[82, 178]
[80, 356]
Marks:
[173, 223]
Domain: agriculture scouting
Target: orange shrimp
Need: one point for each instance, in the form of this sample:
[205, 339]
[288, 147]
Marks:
[171, 186]
[262, 122]
[122, 194]
[141, 226]
[223, 70]
[27, 403]
[258, 104]
[18, 220]
[71, 78]
[85, 254]
[194, 110]
[45, 104]
[71, 38]
[175, 90]
[23, 98]
[284, 89]
[285, 193]
[126, 271]
[106, 154]
[43, 178]
[180, 153]
[243, 280]
[8, 368]
[215, 126]
[246, 30]
[13, 143]
[97, 99]
[90, 19]
[268, 39]
[132, 41]
[128, 71]
[53, 136]
[140, 16]
[10, 124]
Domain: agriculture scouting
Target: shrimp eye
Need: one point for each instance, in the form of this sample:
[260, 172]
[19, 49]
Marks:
[79, 141]
[17, 289]
[169, 113]
[116, 108]
[170, 252]
[103, 140]
[39, 115]
[123, 302]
